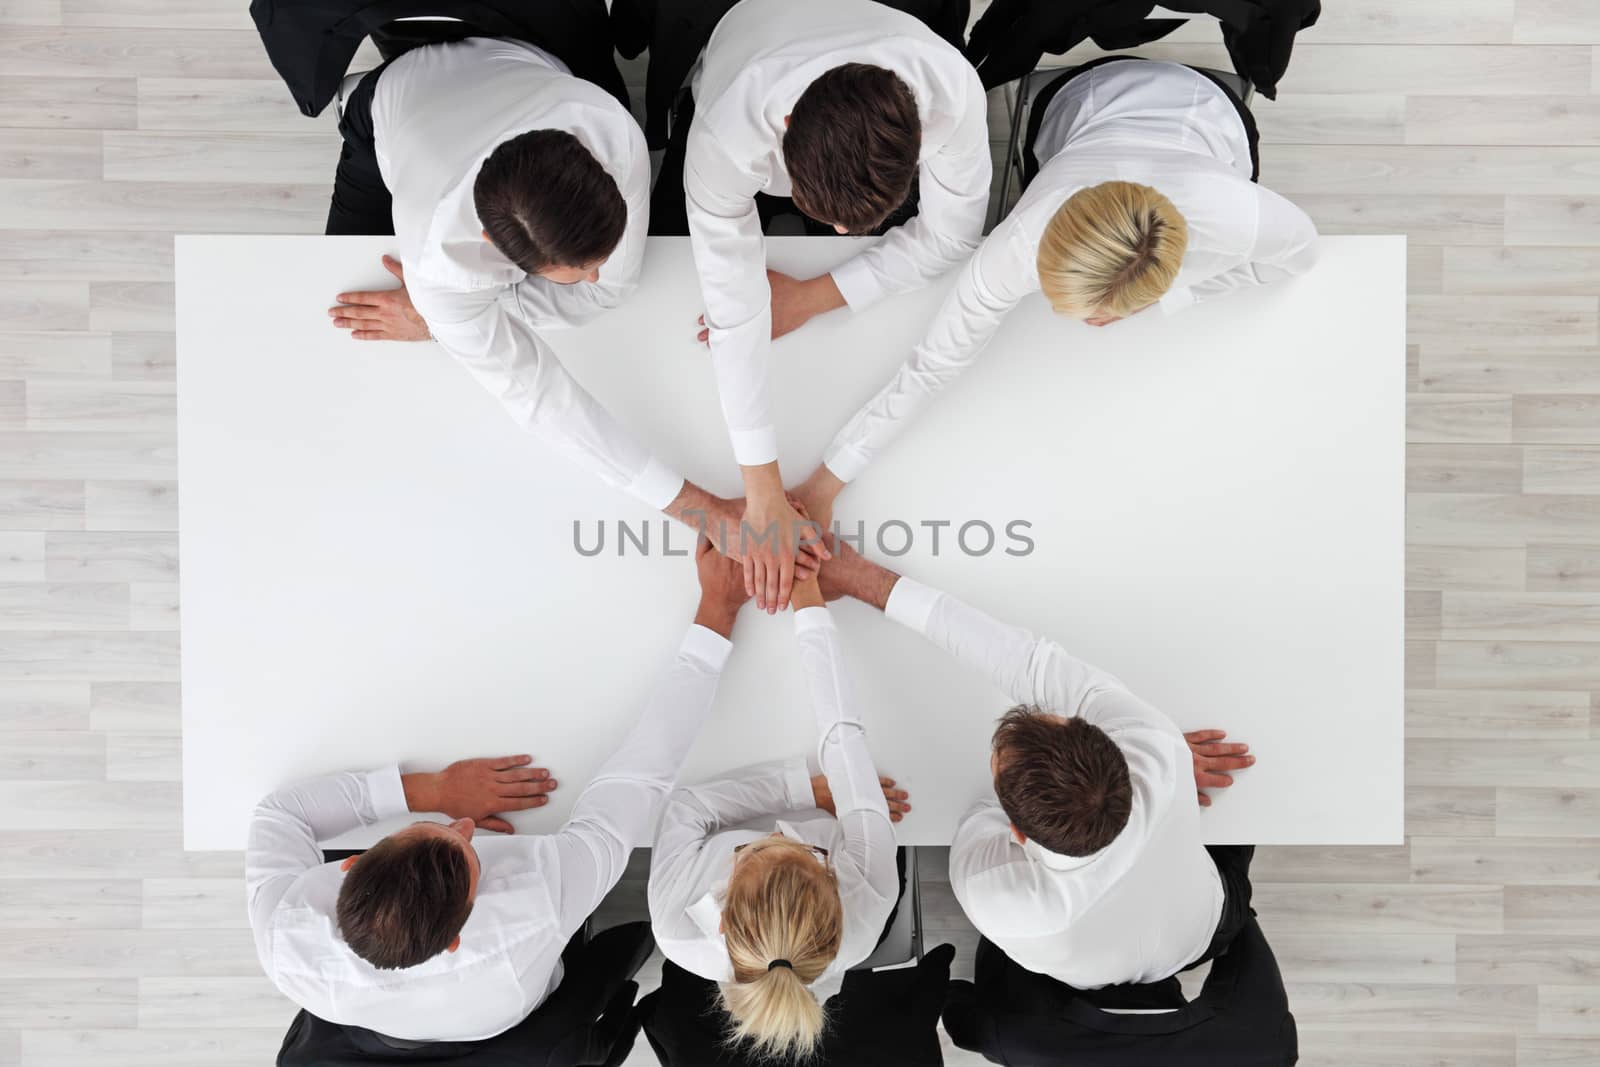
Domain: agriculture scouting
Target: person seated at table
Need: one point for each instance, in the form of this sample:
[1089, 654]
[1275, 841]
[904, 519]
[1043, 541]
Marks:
[530, 217]
[847, 106]
[1085, 862]
[1144, 196]
[752, 888]
[435, 934]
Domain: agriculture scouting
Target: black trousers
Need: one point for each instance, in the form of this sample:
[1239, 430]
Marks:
[361, 203]
[1233, 864]
[1041, 102]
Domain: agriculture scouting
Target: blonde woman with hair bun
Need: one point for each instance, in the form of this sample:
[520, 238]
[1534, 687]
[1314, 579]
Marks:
[755, 888]
[1141, 195]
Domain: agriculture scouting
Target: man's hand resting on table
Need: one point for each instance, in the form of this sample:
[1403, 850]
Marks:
[480, 790]
[794, 303]
[899, 800]
[381, 314]
[1213, 759]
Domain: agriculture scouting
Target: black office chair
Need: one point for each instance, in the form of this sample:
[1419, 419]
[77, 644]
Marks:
[589, 1021]
[1240, 1019]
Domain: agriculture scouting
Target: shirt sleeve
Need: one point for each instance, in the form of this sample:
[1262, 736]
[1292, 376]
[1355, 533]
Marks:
[487, 333]
[548, 305]
[1031, 670]
[991, 283]
[682, 871]
[288, 826]
[616, 810]
[953, 188]
[1285, 245]
[730, 257]
[869, 881]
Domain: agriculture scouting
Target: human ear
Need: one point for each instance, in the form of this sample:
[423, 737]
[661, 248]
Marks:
[350, 861]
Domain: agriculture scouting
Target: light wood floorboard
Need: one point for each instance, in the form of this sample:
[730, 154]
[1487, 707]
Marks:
[1473, 126]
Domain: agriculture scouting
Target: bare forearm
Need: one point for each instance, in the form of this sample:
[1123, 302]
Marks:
[717, 617]
[873, 584]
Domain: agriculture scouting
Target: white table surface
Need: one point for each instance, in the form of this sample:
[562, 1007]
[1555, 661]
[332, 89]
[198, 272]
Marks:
[377, 565]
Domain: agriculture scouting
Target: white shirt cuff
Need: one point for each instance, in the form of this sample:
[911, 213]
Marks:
[753, 448]
[387, 793]
[797, 782]
[707, 646]
[911, 604]
[657, 485]
[857, 284]
[845, 464]
[818, 618]
[1176, 300]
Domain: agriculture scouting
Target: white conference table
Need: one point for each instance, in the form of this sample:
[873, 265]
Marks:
[379, 566]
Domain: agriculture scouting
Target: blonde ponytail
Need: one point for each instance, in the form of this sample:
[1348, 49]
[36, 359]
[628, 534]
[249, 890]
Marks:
[1111, 249]
[783, 922]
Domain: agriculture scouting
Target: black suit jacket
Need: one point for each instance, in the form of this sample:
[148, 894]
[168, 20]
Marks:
[1008, 41]
[883, 1019]
[588, 1021]
[311, 42]
[1240, 1019]
[676, 32]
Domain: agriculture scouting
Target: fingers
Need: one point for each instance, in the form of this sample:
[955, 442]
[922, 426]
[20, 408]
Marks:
[506, 763]
[369, 335]
[538, 800]
[357, 311]
[1205, 801]
[785, 581]
[1213, 748]
[1210, 780]
[393, 266]
[522, 774]
[1226, 763]
[749, 562]
[526, 789]
[704, 337]
[494, 822]
[805, 569]
[1195, 737]
[364, 299]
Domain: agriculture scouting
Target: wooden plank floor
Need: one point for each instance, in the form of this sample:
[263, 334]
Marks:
[1471, 125]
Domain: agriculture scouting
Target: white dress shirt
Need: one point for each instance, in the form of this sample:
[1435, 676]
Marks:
[703, 824]
[437, 113]
[761, 58]
[1152, 123]
[1140, 909]
[534, 891]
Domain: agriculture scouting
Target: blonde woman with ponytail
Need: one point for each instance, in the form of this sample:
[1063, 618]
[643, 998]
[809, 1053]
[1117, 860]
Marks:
[755, 888]
[1141, 196]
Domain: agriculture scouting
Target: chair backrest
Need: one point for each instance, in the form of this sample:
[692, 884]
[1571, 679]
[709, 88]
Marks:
[588, 1021]
[311, 42]
[1241, 1017]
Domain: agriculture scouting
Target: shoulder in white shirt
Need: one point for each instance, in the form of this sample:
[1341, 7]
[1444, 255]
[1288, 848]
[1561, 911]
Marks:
[702, 826]
[761, 58]
[1151, 123]
[438, 112]
[1138, 910]
[534, 890]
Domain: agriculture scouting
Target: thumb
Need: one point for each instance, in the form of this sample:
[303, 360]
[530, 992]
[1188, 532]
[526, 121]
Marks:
[494, 822]
[393, 266]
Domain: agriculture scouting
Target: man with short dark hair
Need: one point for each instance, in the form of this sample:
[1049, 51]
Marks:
[520, 200]
[1087, 864]
[841, 105]
[435, 934]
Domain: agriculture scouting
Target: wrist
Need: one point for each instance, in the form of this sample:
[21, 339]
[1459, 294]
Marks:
[824, 294]
[716, 616]
[763, 482]
[873, 584]
[422, 791]
[807, 594]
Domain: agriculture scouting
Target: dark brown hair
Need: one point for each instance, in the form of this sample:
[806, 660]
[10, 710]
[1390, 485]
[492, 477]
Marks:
[1062, 782]
[405, 900]
[852, 145]
[545, 201]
